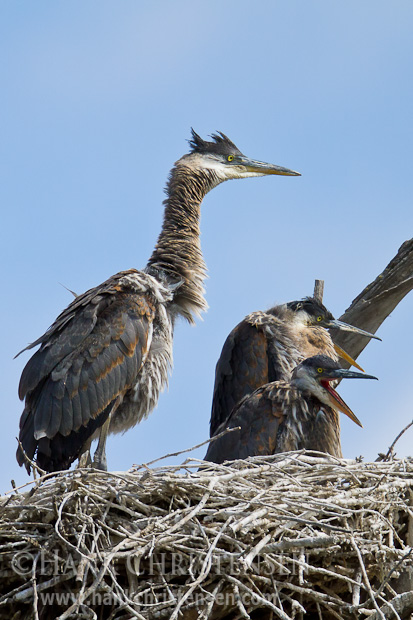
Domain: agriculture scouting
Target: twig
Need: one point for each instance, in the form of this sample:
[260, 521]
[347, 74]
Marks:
[390, 450]
[206, 566]
[33, 465]
[266, 603]
[319, 290]
[34, 582]
[29, 593]
[366, 579]
[356, 589]
[393, 569]
[204, 443]
[401, 604]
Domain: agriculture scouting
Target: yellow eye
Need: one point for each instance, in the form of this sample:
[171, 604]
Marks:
[319, 370]
[230, 157]
[319, 318]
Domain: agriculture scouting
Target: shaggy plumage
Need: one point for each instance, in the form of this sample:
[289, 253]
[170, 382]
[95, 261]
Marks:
[301, 413]
[103, 363]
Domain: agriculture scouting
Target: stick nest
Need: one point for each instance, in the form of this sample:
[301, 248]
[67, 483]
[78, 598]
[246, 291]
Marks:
[275, 537]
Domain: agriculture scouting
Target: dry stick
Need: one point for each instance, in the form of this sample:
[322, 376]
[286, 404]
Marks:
[325, 599]
[366, 579]
[374, 304]
[98, 581]
[278, 612]
[206, 567]
[59, 520]
[23, 595]
[332, 611]
[34, 466]
[402, 604]
[387, 578]
[390, 450]
[319, 290]
[355, 600]
[207, 611]
[167, 456]
[45, 476]
[240, 604]
[34, 581]
[309, 543]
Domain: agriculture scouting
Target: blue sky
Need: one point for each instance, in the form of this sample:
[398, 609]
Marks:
[97, 103]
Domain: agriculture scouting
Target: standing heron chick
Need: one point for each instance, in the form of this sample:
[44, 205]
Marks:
[283, 416]
[103, 363]
[267, 345]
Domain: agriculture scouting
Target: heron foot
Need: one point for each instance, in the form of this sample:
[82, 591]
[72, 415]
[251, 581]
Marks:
[99, 462]
[84, 459]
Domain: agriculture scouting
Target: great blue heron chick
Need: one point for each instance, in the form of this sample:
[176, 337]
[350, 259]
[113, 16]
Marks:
[103, 363]
[283, 416]
[267, 345]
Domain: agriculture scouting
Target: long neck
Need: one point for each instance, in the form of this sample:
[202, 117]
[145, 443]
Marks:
[177, 258]
[323, 430]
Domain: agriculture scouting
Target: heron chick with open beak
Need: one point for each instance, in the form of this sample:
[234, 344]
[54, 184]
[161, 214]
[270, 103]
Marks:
[282, 416]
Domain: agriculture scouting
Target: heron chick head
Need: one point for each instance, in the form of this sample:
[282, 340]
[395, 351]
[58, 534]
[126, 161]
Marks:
[315, 375]
[225, 161]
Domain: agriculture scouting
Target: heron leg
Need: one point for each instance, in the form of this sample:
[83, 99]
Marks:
[99, 459]
[84, 458]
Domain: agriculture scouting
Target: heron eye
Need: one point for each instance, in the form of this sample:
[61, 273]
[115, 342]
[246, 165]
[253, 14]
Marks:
[319, 370]
[319, 318]
[230, 157]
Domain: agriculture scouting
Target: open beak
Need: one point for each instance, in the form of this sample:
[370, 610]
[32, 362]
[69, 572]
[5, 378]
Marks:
[349, 328]
[260, 167]
[336, 401]
[345, 356]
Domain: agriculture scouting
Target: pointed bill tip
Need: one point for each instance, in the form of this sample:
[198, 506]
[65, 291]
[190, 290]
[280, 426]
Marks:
[286, 172]
[338, 403]
[351, 328]
[261, 167]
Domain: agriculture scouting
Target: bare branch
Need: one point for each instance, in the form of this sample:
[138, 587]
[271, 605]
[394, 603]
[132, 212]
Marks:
[403, 604]
[389, 454]
[319, 290]
[199, 445]
[374, 304]
[33, 465]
